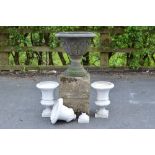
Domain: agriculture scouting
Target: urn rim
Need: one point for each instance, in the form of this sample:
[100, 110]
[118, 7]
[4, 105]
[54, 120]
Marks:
[77, 34]
[47, 85]
[102, 85]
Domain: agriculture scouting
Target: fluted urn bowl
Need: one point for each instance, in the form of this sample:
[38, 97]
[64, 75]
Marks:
[76, 44]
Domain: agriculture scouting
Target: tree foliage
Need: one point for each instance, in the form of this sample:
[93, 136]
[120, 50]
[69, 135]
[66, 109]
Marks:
[142, 39]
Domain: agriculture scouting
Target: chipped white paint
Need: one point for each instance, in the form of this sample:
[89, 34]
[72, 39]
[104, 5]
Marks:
[47, 89]
[61, 112]
[83, 118]
[102, 88]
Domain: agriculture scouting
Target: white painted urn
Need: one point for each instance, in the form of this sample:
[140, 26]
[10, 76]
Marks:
[61, 112]
[102, 88]
[47, 89]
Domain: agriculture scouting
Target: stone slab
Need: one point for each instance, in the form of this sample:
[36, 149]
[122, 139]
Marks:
[75, 91]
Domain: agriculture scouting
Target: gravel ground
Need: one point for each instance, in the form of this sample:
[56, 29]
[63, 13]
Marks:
[132, 102]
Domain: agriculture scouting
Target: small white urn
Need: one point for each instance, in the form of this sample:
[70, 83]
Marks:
[47, 89]
[61, 112]
[83, 118]
[102, 88]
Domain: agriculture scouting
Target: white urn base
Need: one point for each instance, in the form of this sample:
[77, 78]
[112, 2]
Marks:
[48, 107]
[102, 113]
[46, 112]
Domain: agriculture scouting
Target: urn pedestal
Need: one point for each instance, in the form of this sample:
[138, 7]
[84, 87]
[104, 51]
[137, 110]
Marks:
[75, 92]
[75, 81]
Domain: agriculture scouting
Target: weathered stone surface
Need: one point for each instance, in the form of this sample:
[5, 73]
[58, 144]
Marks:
[75, 91]
[79, 105]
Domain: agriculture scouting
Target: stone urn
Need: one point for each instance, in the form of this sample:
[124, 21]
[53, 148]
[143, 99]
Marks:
[76, 44]
[75, 81]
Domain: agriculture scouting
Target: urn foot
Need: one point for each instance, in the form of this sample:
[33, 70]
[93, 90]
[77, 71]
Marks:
[102, 113]
[46, 112]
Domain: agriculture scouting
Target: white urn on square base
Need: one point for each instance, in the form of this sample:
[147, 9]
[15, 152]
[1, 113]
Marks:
[47, 89]
[102, 100]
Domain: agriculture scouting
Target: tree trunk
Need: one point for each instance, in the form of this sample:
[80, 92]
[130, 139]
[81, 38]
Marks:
[62, 58]
[40, 54]
[16, 58]
[129, 58]
[28, 55]
[50, 56]
[85, 59]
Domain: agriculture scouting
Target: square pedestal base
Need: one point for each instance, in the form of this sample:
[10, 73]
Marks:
[75, 92]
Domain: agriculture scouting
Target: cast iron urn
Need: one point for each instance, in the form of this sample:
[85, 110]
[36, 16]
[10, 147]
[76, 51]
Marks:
[76, 44]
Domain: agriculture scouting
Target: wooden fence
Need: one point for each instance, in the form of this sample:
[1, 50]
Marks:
[105, 51]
